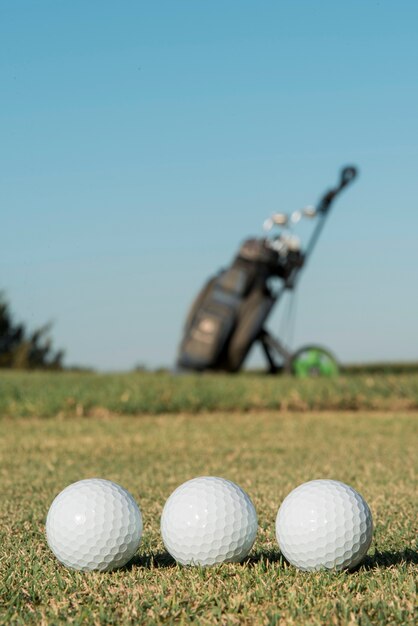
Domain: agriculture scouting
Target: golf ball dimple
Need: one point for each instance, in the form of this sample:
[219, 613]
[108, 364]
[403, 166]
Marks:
[94, 524]
[324, 524]
[208, 520]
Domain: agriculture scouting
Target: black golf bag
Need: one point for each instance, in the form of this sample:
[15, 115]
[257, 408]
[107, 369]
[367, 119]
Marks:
[229, 313]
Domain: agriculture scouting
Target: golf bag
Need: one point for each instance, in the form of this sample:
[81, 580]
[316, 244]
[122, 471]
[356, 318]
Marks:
[229, 313]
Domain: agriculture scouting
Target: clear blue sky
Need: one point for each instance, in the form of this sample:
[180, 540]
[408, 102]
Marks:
[142, 141]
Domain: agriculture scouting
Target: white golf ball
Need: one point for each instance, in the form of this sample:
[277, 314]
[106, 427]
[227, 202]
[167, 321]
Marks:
[94, 524]
[208, 520]
[324, 524]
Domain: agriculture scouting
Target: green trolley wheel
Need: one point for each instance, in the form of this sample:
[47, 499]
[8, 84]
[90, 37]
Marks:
[313, 361]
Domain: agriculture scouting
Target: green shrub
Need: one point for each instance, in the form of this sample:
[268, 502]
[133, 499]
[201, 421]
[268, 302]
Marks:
[21, 349]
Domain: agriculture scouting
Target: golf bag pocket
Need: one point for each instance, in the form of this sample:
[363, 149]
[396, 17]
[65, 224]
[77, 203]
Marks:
[211, 324]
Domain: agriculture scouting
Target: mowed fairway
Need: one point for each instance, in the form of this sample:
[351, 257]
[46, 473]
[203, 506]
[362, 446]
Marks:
[268, 454]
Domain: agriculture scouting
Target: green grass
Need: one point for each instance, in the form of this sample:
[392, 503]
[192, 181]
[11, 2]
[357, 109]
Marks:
[268, 454]
[46, 394]
[390, 367]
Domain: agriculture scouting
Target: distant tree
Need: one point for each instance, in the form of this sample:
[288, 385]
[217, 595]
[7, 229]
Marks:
[140, 367]
[23, 350]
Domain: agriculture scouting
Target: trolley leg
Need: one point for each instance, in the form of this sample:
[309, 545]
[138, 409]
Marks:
[273, 367]
[270, 345]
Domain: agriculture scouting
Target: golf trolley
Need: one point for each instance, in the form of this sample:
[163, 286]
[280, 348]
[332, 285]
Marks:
[229, 314]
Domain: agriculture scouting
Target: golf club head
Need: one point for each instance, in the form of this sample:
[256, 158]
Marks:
[293, 243]
[280, 219]
[268, 224]
[295, 217]
[309, 211]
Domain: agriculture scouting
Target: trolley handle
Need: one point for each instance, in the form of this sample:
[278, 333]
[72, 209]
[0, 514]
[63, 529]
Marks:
[348, 174]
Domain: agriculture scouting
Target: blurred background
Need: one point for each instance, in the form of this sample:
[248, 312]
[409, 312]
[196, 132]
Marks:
[142, 142]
